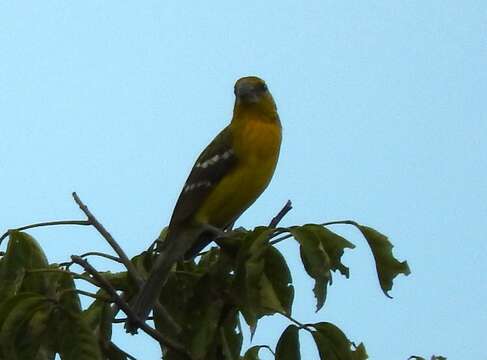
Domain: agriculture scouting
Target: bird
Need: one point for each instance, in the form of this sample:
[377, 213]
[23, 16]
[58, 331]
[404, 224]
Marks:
[226, 179]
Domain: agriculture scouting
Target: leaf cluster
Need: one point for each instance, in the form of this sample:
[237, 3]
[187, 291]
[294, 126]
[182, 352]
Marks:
[208, 298]
[40, 311]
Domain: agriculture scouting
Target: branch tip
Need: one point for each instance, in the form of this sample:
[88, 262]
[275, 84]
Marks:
[280, 215]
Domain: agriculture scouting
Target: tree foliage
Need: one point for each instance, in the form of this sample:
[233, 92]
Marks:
[203, 305]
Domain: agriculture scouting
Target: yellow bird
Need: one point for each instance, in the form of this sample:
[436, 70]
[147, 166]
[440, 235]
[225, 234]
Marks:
[228, 176]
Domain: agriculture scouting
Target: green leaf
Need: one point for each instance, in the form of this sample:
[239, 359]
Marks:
[231, 337]
[263, 280]
[315, 260]
[277, 292]
[175, 296]
[8, 304]
[93, 315]
[37, 329]
[198, 308]
[68, 298]
[78, 341]
[204, 313]
[249, 272]
[21, 327]
[288, 345]
[334, 246]
[252, 353]
[332, 344]
[388, 267]
[173, 355]
[143, 263]
[204, 326]
[105, 328]
[209, 259]
[269, 301]
[119, 280]
[23, 253]
[99, 318]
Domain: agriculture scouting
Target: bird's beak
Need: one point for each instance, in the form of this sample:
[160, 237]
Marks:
[247, 93]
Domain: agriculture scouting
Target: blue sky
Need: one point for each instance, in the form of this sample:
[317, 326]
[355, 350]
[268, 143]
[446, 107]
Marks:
[384, 114]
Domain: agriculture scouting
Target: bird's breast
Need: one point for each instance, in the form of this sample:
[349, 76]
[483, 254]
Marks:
[258, 141]
[256, 145]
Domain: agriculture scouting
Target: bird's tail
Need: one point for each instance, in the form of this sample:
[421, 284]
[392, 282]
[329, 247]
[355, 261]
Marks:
[172, 250]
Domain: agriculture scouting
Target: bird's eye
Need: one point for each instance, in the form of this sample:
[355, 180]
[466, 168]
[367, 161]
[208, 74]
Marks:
[263, 87]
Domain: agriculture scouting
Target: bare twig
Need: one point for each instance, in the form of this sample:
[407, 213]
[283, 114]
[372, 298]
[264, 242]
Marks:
[132, 271]
[111, 241]
[122, 320]
[298, 323]
[67, 264]
[105, 285]
[337, 222]
[279, 231]
[106, 256]
[86, 293]
[73, 274]
[278, 240]
[277, 219]
[49, 223]
[127, 355]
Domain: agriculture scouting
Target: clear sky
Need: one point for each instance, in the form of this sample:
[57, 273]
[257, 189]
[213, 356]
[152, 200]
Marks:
[383, 105]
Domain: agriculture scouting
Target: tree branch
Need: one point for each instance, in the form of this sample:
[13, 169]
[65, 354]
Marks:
[127, 355]
[337, 222]
[278, 240]
[67, 264]
[87, 293]
[49, 223]
[106, 256]
[277, 219]
[132, 271]
[105, 285]
[73, 274]
[111, 241]
[124, 320]
[298, 323]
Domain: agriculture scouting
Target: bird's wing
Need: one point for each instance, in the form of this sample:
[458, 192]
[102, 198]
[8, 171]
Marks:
[216, 161]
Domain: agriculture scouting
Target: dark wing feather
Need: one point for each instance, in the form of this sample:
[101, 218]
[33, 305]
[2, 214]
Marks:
[212, 165]
[204, 176]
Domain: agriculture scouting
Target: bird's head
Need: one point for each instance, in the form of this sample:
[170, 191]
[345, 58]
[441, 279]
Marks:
[251, 90]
